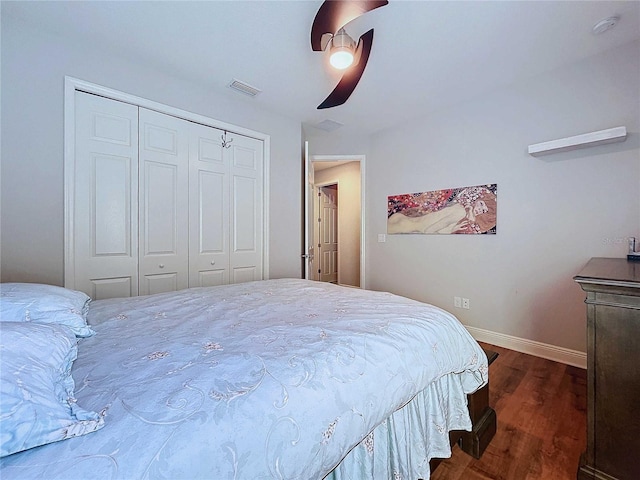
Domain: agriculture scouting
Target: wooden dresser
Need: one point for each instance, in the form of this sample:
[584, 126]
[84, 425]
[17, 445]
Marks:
[613, 369]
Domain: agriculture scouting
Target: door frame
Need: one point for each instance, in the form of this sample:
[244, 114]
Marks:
[345, 159]
[71, 85]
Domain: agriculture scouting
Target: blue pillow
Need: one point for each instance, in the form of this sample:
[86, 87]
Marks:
[37, 404]
[35, 302]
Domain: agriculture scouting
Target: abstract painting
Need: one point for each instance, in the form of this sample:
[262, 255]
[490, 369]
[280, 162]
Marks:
[464, 210]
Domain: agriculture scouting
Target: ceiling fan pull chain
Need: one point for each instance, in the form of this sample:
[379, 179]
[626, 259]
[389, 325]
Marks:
[226, 143]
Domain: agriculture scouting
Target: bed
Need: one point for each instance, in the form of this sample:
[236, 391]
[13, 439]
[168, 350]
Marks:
[275, 379]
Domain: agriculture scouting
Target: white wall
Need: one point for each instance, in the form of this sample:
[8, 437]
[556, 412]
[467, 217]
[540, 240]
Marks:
[554, 213]
[33, 68]
[347, 176]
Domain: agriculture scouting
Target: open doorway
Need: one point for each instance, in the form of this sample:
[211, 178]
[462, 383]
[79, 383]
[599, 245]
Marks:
[341, 177]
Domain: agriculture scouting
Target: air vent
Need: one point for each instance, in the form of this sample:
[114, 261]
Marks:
[244, 88]
[329, 125]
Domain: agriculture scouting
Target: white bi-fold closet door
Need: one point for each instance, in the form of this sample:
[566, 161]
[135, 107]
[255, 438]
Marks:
[162, 203]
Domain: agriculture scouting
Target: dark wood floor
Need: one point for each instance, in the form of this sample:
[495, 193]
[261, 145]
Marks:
[541, 408]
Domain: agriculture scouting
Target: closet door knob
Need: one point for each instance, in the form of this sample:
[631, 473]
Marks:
[161, 265]
[213, 262]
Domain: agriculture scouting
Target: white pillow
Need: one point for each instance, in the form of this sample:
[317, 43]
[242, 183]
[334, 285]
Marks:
[37, 404]
[35, 302]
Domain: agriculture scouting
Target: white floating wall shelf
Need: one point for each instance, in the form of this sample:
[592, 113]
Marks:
[611, 135]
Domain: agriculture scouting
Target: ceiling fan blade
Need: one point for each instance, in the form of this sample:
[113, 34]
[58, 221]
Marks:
[334, 14]
[350, 79]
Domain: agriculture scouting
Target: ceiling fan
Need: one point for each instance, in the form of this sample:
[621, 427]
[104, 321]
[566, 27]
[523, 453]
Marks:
[328, 31]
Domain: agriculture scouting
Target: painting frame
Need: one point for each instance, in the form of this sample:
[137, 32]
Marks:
[463, 210]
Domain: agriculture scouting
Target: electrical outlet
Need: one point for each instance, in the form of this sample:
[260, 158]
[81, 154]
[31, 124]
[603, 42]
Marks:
[465, 303]
[457, 302]
[382, 238]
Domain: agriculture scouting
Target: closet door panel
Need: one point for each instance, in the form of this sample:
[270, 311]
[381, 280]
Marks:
[246, 161]
[113, 287]
[160, 203]
[212, 278]
[159, 283]
[105, 195]
[210, 257]
[246, 210]
[245, 274]
[211, 212]
[111, 219]
[209, 208]
[164, 203]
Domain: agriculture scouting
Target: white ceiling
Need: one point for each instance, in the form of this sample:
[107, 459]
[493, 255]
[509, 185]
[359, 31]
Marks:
[426, 54]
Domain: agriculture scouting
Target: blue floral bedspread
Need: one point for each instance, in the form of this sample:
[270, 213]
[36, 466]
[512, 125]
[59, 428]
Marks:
[276, 379]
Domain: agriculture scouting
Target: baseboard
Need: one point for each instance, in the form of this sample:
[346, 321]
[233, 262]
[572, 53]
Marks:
[538, 349]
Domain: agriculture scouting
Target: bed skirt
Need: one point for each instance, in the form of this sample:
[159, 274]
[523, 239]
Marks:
[400, 447]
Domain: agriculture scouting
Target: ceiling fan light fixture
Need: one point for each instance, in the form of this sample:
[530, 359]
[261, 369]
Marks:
[327, 34]
[342, 49]
[341, 58]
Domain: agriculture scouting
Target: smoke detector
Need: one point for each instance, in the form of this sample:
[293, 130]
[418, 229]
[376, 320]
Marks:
[604, 25]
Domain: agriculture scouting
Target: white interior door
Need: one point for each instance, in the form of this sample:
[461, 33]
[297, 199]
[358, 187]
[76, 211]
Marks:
[164, 203]
[209, 208]
[105, 197]
[245, 156]
[328, 232]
